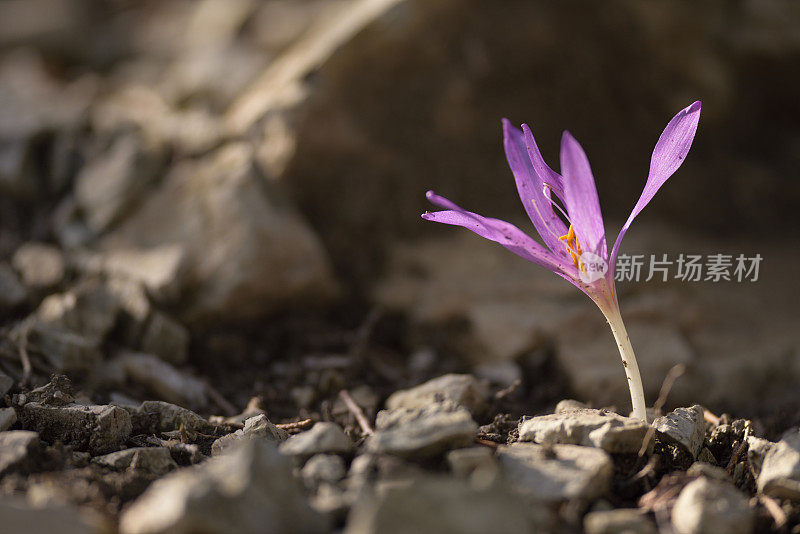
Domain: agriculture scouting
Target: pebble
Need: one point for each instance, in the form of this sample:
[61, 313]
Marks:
[152, 460]
[592, 428]
[323, 437]
[16, 449]
[465, 462]
[258, 427]
[708, 506]
[6, 382]
[422, 432]
[94, 428]
[554, 473]
[685, 426]
[249, 491]
[39, 265]
[464, 390]
[757, 449]
[162, 379]
[8, 416]
[620, 521]
[160, 416]
[709, 471]
[569, 405]
[166, 338]
[323, 468]
[780, 471]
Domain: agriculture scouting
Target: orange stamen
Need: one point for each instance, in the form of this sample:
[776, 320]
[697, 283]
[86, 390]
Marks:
[573, 247]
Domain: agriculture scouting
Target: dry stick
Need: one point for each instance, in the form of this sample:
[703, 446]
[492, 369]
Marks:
[669, 381]
[296, 425]
[221, 401]
[357, 412]
[774, 509]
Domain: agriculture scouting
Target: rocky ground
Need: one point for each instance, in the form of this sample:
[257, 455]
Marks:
[219, 311]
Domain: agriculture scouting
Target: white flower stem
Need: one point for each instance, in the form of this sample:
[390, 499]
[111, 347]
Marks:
[614, 319]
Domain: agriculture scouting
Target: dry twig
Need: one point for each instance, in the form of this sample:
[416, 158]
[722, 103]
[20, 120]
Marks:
[296, 425]
[357, 412]
[774, 509]
[666, 386]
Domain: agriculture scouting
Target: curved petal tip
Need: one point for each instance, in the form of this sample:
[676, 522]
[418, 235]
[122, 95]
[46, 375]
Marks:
[696, 105]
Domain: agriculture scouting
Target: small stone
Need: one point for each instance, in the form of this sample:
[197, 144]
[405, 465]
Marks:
[554, 473]
[96, 428]
[685, 426]
[166, 338]
[40, 265]
[321, 438]
[706, 456]
[258, 427]
[592, 428]
[465, 390]
[710, 506]
[6, 382]
[570, 405]
[503, 374]
[160, 269]
[757, 449]
[780, 471]
[621, 521]
[8, 416]
[162, 379]
[12, 292]
[464, 462]
[16, 449]
[430, 505]
[422, 432]
[152, 460]
[19, 516]
[709, 471]
[251, 490]
[57, 392]
[160, 416]
[322, 468]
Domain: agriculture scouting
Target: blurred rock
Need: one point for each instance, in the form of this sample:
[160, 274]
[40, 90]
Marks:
[162, 379]
[39, 265]
[710, 506]
[8, 416]
[622, 521]
[569, 405]
[685, 426]
[444, 506]
[57, 392]
[19, 516]
[250, 490]
[12, 292]
[166, 338]
[97, 429]
[159, 416]
[553, 473]
[115, 179]
[593, 428]
[255, 428]
[18, 449]
[321, 438]
[322, 468]
[465, 462]
[422, 431]
[247, 250]
[6, 382]
[464, 390]
[757, 449]
[153, 460]
[780, 471]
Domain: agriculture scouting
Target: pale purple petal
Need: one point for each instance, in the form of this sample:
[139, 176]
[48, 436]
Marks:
[580, 197]
[669, 153]
[546, 174]
[529, 186]
[501, 232]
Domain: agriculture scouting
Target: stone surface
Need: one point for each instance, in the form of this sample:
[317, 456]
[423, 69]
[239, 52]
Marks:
[711, 506]
[160, 416]
[621, 521]
[322, 468]
[444, 506]
[553, 473]
[780, 471]
[162, 379]
[593, 428]
[12, 292]
[39, 265]
[685, 426]
[248, 251]
[5, 383]
[422, 432]
[465, 462]
[97, 429]
[569, 405]
[250, 490]
[464, 390]
[152, 460]
[321, 438]
[166, 338]
[16, 449]
[19, 516]
[8, 416]
[757, 449]
[255, 428]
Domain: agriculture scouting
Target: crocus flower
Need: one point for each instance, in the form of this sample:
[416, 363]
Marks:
[573, 236]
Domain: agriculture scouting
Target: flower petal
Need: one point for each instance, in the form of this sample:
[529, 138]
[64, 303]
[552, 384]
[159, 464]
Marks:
[501, 232]
[580, 197]
[529, 182]
[546, 174]
[668, 155]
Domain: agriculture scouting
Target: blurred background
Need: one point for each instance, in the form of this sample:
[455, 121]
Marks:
[233, 187]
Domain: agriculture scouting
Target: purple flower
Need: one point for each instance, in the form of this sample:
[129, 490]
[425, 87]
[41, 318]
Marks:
[573, 235]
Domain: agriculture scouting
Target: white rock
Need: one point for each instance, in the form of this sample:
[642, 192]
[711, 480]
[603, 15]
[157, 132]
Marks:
[707, 506]
[422, 432]
[249, 491]
[323, 468]
[464, 390]
[16, 448]
[19, 516]
[40, 265]
[620, 521]
[321, 438]
[757, 449]
[554, 473]
[257, 427]
[685, 426]
[780, 471]
[593, 428]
